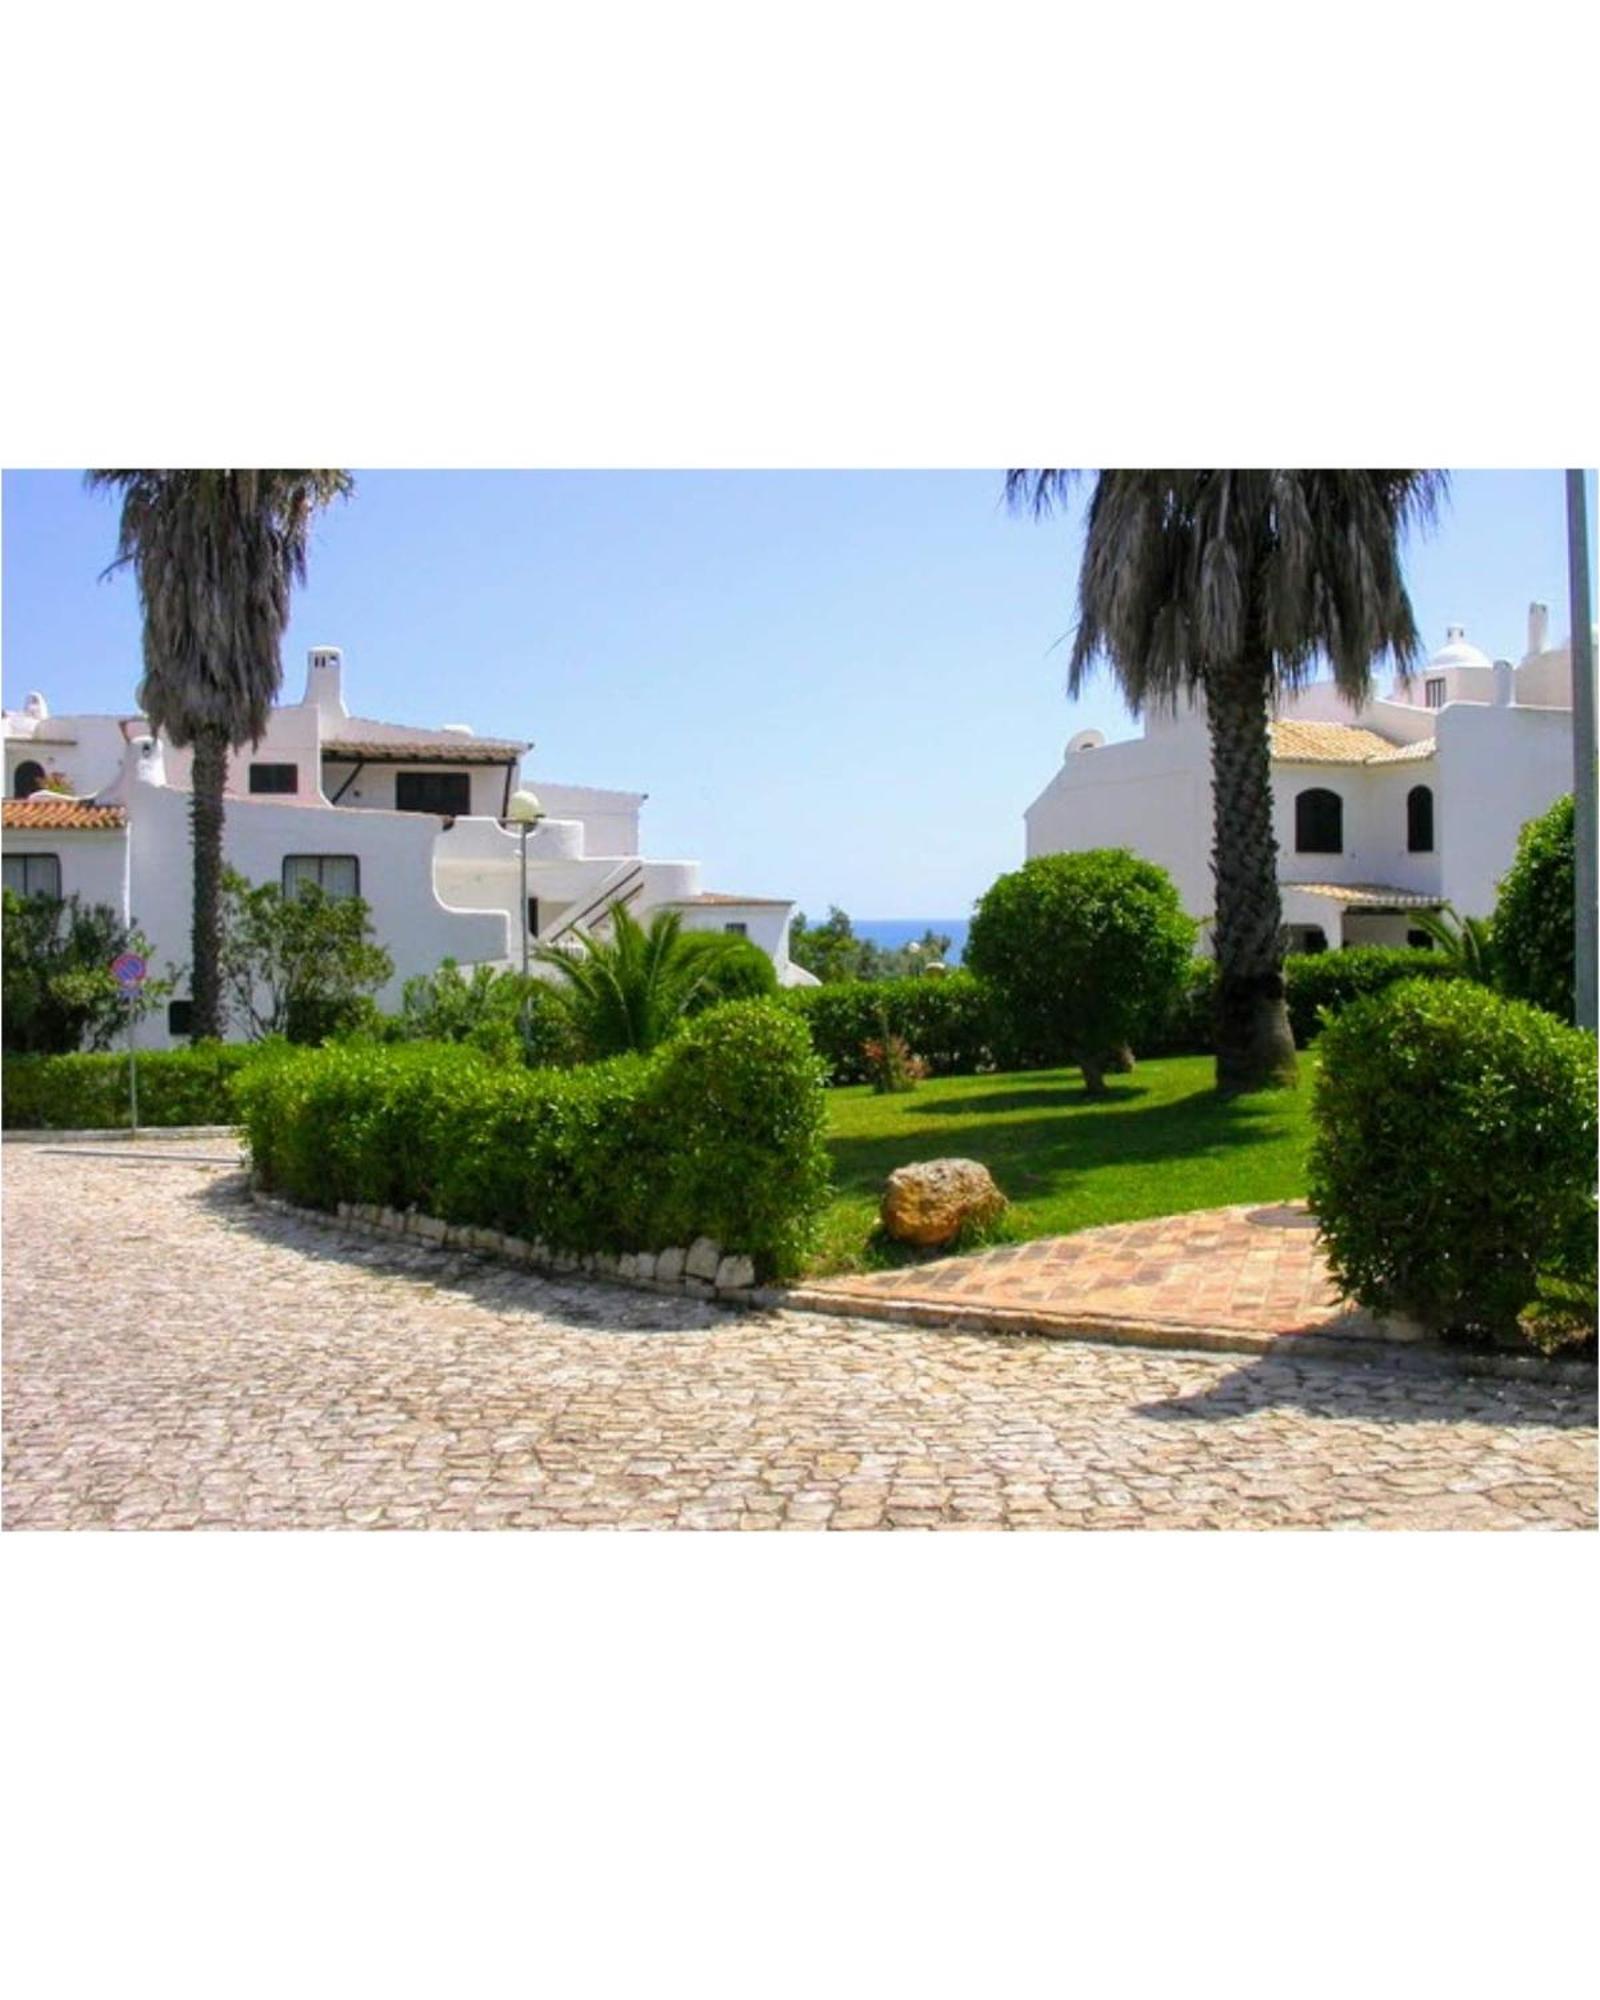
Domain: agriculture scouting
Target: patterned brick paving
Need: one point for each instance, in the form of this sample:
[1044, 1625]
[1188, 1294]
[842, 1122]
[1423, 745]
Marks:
[178, 1358]
[1251, 1270]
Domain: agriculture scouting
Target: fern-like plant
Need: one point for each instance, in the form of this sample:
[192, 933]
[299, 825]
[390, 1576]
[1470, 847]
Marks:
[627, 993]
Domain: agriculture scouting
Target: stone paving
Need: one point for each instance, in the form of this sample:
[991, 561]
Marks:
[1246, 1271]
[176, 1357]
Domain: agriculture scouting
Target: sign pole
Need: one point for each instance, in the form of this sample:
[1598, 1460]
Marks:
[128, 969]
[133, 1068]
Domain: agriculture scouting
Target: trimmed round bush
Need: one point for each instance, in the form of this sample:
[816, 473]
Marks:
[1453, 1157]
[1535, 949]
[1086, 952]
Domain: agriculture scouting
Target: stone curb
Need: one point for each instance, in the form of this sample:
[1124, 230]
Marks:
[1177, 1335]
[104, 1132]
[700, 1271]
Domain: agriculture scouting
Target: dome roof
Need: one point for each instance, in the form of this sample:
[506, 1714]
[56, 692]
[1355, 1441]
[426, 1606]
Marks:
[1457, 651]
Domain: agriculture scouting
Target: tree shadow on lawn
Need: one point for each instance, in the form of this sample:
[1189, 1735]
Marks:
[1039, 1097]
[1073, 1136]
[1404, 1388]
[579, 1301]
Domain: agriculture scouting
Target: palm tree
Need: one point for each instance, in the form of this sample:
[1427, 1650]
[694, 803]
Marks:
[1234, 587]
[1465, 944]
[630, 991]
[216, 555]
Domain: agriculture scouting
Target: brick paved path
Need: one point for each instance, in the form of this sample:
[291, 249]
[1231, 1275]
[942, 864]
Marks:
[176, 1357]
[1251, 1271]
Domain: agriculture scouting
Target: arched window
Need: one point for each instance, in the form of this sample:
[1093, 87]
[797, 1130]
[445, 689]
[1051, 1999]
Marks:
[28, 779]
[1319, 822]
[1419, 819]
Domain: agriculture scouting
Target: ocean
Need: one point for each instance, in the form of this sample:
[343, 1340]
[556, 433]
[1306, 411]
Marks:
[893, 932]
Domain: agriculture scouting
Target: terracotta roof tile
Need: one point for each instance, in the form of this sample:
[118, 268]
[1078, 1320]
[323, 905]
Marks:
[712, 899]
[1340, 743]
[50, 813]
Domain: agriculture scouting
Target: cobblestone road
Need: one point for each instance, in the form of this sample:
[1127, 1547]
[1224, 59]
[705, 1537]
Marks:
[176, 1357]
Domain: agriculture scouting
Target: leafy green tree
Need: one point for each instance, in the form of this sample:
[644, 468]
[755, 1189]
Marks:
[1234, 587]
[303, 965]
[216, 555]
[1533, 914]
[735, 969]
[831, 951]
[634, 989]
[58, 992]
[1087, 953]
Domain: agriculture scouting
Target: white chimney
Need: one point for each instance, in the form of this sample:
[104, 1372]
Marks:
[149, 760]
[1538, 628]
[324, 680]
[1504, 683]
[36, 708]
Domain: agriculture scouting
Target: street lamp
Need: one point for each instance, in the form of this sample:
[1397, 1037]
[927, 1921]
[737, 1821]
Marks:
[524, 812]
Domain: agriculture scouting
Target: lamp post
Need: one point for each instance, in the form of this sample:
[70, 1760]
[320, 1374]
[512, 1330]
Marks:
[524, 812]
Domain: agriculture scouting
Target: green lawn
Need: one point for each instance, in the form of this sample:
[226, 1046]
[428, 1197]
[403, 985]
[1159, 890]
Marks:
[1161, 1141]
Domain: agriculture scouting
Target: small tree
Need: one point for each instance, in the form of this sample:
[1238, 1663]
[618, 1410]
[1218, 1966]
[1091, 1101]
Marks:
[59, 995]
[1533, 918]
[1086, 953]
[301, 965]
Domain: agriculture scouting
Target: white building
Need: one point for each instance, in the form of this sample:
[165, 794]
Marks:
[411, 819]
[1409, 802]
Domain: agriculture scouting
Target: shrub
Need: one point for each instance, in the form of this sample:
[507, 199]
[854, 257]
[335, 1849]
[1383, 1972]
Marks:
[719, 1133]
[733, 969]
[1086, 952]
[1322, 982]
[302, 965]
[949, 1023]
[1189, 1027]
[891, 1067]
[506, 1017]
[1453, 1159]
[192, 1086]
[59, 994]
[1533, 916]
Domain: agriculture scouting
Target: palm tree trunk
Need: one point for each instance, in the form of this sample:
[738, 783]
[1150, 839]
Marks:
[209, 774]
[1255, 1049]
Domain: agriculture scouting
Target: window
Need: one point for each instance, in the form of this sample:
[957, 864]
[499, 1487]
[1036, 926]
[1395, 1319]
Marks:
[274, 777]
[1319, 822]
[335, 875]
[27, 779]
[533, 916]
[1419, 940]
[737, 930]
[1307, 939]
[180, 1017]
[448, 792]
[34, 875]
[1433, 692]
[1419, 820]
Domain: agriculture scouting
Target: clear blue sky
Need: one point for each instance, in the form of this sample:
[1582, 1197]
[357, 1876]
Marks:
[841, 687]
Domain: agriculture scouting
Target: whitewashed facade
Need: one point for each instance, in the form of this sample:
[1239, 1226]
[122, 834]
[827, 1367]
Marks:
[1409, 802]
[412, 819]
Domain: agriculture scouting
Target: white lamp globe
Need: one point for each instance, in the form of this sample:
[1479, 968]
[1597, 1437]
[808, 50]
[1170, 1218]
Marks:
[523, 808]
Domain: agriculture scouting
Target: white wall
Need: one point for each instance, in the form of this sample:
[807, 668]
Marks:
[93, 865]
[610, 819]
[394, 850]
[1499, 768]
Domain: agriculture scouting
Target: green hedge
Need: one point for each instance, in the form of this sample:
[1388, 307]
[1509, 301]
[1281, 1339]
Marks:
[1332, 979]
[719, 1134]
[192, 1086]
[951, 1022]
[1452, 1168]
